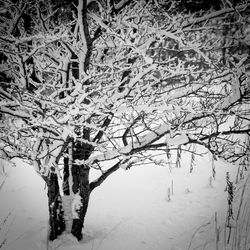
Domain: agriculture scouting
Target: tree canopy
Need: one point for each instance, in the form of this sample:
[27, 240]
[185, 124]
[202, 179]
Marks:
[122, 82]
[109, 84]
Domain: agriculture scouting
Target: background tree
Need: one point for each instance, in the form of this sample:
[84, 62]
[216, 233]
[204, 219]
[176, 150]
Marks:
[103, 85]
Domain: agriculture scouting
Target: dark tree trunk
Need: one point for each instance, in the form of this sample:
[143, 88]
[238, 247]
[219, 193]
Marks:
[66, 176]
[80, 176]
[56, 221]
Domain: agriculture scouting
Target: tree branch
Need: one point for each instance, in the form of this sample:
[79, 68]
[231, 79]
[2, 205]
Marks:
[124, 136]
[104, 125]
[214, 15]
[105, 175]
[228, 132]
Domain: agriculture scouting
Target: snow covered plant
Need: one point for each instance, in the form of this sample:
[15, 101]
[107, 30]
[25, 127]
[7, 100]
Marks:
[97, 85]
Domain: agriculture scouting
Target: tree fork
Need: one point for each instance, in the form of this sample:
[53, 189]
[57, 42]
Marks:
[80, 181]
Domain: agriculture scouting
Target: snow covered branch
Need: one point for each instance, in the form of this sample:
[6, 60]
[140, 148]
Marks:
[104, 176]
[118, 81]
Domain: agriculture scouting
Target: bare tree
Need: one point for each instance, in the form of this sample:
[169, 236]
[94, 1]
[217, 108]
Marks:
[103, 85]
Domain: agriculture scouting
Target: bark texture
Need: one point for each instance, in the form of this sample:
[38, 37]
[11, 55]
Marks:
[66, 176]
[80, 176]
[56, 220]
[80, 185]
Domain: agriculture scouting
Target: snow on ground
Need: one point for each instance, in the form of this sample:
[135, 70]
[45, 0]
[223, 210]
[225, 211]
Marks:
[131, 210]
[23, 194]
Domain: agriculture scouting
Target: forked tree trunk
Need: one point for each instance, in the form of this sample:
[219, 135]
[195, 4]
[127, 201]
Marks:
[56, 220]
[76, 189]
[80, 187]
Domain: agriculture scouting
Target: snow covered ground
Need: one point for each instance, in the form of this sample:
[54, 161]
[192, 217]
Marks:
[130, 211]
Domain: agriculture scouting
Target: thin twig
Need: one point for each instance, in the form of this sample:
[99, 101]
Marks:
[196, 231]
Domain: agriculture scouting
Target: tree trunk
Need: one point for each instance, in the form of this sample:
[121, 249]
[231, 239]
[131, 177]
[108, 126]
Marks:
[56, 221]
[66, 176]
[80, 179]
[80, 175]
[81, 187]
[67, 197]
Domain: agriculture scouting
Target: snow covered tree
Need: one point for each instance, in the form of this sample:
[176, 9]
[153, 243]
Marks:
[102, 85]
